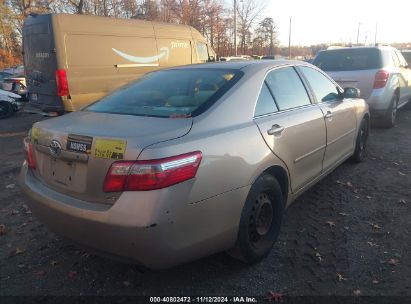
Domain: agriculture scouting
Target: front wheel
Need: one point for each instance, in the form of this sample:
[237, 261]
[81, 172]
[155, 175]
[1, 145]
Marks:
[360, 151]
[260, 220]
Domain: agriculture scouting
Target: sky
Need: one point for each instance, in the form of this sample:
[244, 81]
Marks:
[320, 21]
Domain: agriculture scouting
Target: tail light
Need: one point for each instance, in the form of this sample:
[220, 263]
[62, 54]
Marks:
[62, 84]
[28, 147]
[151, 174]
[381, 79]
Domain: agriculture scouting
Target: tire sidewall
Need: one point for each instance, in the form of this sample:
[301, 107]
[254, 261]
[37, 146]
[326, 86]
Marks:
[268, 184]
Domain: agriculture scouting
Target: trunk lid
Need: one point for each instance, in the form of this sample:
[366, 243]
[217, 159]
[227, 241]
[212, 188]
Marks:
[40, 63]
[74, 152]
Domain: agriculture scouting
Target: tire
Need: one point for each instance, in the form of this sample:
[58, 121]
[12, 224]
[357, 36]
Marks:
[6, 109]
[260, 220]
[360, 151]
[391, 114]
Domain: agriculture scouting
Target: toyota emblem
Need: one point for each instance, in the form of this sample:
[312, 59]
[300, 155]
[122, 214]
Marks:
[55, 148]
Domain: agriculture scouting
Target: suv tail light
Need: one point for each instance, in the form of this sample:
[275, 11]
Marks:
[381, 79]
[154, 174]
[62, 84]
[28, 147]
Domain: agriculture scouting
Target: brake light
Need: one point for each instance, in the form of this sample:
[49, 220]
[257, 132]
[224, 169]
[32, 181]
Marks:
[62, 84]
[381, 79]
[28, 147]
[154, 174]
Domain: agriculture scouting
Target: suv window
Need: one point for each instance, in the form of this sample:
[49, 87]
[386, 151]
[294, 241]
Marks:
[395, 59]
[170, 93]
[287, 88]
[265, 103]
[349, 59]
[324, 89]
[202, 51]
[403, 63]
[407, 56]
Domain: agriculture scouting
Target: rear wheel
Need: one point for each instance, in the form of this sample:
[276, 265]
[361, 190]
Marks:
[260, 220]
[6, 109]
[391, 114]
[361, 143]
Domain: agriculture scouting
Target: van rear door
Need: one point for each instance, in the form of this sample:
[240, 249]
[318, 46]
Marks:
[41, 64]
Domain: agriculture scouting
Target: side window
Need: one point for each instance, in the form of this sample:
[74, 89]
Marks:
[265, 103]
[395, 59]
[287, 88]
[324, 89]
[403, 63]
[202, 51]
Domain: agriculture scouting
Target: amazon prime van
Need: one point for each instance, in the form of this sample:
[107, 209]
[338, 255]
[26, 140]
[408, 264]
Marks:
[73, 60]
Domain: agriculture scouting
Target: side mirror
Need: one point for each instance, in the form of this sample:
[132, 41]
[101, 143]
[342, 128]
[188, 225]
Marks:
[211, 58]
[351, 93]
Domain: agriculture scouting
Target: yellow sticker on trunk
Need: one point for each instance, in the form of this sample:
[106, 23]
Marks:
[110, 148]
[35, 133]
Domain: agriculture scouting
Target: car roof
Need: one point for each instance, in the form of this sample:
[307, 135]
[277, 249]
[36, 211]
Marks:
[241, 65]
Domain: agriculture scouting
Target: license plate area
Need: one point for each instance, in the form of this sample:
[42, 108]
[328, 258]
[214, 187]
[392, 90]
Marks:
[69, 175]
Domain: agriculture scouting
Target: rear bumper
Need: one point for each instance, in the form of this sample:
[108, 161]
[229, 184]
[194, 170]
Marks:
[379, 102]
[156, 233]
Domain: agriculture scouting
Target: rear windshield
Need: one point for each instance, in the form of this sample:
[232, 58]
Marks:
[349, 59]
[171, 93]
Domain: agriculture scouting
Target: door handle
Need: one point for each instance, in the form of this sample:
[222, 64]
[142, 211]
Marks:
[328, 115]
[275, 129]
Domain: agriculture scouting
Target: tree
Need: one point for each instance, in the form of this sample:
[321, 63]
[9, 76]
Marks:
[268, 34]
[248, 12]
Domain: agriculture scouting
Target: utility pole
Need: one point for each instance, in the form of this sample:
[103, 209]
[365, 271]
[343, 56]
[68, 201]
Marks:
[235, 27]
[358, 32]
[289, 41]
[376, 31]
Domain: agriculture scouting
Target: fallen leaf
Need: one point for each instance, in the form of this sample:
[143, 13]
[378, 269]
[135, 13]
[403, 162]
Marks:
[372, 244]
[402, 201]
[400, 173]
[368, 197]
[3, 229]
[319, 256]
[344, 214]
[339, 182]
[277, 297]
[53, 263]
[349, 184]
[375, 281]
[10, 186]
[357, 292]
[126, 283]
[19, 251]
[72, 275]
[396, 164]
[39, 272]
[330, 223]
[375, 226]
[14, 212]
[340, 277]
[393, 262]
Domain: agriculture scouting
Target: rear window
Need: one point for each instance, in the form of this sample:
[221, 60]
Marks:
[171, 93]
[349, 59]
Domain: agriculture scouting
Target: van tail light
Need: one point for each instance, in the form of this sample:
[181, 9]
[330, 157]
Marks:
[28, 148]
[381, 79]
[143, 175]
[62, 84]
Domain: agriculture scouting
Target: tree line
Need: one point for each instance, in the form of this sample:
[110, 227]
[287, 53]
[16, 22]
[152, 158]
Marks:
[256, 33]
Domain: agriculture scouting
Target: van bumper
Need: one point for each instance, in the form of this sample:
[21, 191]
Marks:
[157, 239]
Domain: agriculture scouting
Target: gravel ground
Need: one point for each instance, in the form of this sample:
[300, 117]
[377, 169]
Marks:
[348, 235]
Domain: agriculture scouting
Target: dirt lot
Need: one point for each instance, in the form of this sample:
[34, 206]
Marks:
[349, 235]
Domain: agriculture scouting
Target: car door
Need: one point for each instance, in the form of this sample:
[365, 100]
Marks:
[339, 115]
[292, 127]
[405, 79]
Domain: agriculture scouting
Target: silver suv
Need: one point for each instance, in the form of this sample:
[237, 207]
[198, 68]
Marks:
[381, 73]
